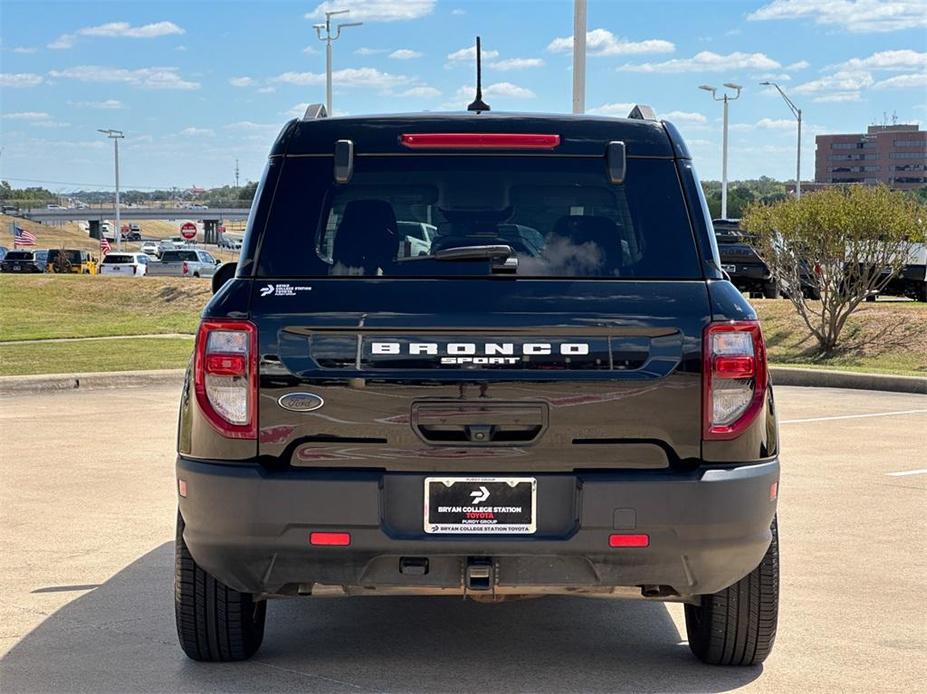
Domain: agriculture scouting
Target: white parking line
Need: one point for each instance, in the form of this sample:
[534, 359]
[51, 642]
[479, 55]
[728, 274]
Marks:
[851, 416]
[922, 471]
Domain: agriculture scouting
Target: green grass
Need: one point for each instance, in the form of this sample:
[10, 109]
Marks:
[95, 355]
[47, 306]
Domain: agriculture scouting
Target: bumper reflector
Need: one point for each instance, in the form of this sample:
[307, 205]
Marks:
[182, 488]
[638, 540]
[330, 539]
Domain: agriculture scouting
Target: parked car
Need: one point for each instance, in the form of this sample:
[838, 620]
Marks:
[151, 248]
[71, 260]
[740, 260]
[24, 261]
[594, 419]
[415, 237]
[912, 280]
[10, 210]
[232, 243]
[3, 251]
[125, 264]
[131, 232]
[184, 263]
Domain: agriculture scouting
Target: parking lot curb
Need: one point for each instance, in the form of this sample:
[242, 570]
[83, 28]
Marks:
[44, 383]
[822, 378]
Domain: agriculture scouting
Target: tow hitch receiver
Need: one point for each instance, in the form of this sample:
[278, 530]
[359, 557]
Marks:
[480, 574]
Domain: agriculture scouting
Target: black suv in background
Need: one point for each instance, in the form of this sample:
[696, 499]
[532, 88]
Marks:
[741, 262]
[542, 401]
[24, 261]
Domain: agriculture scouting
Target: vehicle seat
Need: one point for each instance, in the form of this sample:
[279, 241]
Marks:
[367, 237]
[601, 231]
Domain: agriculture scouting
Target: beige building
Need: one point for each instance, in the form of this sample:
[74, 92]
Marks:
[895, 155]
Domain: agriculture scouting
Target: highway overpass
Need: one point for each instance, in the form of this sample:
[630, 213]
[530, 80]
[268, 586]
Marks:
[98, 214]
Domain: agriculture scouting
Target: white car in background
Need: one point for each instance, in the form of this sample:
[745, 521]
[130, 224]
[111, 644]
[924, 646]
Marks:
[150, 248]
[124, 264]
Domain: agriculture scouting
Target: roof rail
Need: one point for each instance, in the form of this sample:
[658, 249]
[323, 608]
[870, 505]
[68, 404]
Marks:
[315, 111]
[642, 112]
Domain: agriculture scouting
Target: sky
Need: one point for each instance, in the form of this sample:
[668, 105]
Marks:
[197, 85]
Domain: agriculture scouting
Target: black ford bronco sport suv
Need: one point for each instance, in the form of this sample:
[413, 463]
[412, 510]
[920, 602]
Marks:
[546, 387]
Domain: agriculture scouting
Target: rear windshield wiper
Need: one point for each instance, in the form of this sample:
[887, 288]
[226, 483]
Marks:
[474, 252]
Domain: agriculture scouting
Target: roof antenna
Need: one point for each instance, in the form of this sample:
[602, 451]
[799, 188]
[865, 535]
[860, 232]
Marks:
[478, 103]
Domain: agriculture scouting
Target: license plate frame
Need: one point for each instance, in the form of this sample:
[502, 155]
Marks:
[459, 505]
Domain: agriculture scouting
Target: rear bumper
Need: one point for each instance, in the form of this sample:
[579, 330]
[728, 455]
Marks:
[250, 528]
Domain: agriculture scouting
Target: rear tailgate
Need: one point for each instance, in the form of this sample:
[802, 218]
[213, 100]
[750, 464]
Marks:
[480, 374]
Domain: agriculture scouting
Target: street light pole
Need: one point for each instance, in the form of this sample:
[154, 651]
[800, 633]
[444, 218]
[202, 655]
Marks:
[579, 56]
[726, 98]
[328, 39]
[797, 113]
[115, 136]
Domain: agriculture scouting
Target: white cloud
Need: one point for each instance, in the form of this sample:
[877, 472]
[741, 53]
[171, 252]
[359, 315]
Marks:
[502, 90]
[310, 50]
[888, 60]
[604, 42]
[773, 77]
[106, 105]
[118, 30]
[405, 54]
[458, 12]
[145, 78]
[684, 117]
[266, 90]
[707, 61]
[125, 30]
[856, 16]
[27, 116]
[775, 124]
[251, 125]
[39, 119]
[20, 79]
[912, 81]
[800, 65]
[242, 81]
[370, 51]
[423, 92]
[469, 53]
[375, 10]
[838, 98]
[516, 64]
[198, 132]
[346, 77]
[25, 49]
[620, 109]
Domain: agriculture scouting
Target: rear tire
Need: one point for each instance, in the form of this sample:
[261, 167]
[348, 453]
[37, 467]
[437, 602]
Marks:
[214, 622]
[771, 290]
[920, 294]
[737, 626]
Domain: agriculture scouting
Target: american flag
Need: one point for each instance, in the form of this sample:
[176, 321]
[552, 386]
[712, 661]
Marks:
[21, 237]
[104, 246]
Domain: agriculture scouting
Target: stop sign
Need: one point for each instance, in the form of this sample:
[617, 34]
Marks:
[188, 230]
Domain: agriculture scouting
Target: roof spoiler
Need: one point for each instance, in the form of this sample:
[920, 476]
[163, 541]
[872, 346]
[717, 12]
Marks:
[642, 112]
[315, 111]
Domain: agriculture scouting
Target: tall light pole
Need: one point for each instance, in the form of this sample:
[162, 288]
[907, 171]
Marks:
[797, 113]
[328, 39]
[726, 98]
[115, 136]
[579, 56]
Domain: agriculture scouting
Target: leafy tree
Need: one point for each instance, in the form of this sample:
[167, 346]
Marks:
[840, 244]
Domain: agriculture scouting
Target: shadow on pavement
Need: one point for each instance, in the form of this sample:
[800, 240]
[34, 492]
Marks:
[120, 637]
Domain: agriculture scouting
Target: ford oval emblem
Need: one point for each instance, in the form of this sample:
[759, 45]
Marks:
[300, 402]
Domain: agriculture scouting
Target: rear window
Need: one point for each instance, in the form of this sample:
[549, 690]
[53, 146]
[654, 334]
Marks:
[177, 256]
[70, 256]
[117, 258]
[19, 255]
[400, 215]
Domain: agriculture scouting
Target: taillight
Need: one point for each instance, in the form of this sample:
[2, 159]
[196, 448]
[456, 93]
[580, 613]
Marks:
[734, 377]
[225, 376]
[186, 268]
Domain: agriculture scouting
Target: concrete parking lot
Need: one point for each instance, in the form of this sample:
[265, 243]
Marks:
[87, 505]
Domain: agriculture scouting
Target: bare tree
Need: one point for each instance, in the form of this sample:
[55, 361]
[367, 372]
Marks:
[831, 249]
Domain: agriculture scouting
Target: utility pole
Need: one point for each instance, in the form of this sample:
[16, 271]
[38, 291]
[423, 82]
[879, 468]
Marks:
[236, 173]
[115, 136]
[726, 98]
[329, 38]
[579, 56]
[797, 113]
